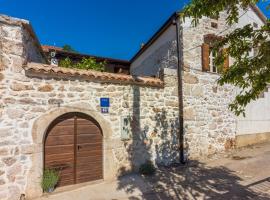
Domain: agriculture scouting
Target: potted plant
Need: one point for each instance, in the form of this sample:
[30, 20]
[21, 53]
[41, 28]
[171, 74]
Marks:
[147, 169]
[49, 180]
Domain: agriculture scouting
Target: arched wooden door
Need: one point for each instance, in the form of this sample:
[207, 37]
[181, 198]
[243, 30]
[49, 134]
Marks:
[73, 145]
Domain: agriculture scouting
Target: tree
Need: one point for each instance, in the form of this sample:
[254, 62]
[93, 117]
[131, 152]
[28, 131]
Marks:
[251, 74]
[68, 48]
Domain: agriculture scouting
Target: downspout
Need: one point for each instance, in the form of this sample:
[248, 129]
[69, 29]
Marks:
[180, 66]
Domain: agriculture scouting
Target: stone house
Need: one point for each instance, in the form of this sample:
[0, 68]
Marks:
[50, 117]
[209, 126]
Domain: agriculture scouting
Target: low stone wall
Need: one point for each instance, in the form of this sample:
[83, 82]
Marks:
[26, 100]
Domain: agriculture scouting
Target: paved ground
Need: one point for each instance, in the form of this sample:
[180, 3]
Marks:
[243, 174]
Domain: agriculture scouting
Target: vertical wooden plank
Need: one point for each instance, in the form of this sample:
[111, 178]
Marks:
[205, 57]
[75, 149]
[59, 148]
[226, 61]
[90, 155]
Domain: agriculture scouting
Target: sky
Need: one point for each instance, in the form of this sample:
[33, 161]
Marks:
[109, 28]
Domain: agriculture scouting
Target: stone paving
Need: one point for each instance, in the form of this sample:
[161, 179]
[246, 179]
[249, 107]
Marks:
[242, 174]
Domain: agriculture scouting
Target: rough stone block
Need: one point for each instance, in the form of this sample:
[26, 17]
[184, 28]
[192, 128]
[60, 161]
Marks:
[45, 88]
[21, 87]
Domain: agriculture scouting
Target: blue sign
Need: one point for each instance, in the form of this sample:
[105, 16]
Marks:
[105, 102]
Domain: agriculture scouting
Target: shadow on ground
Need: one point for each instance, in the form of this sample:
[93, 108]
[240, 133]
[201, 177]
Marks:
[193, 181]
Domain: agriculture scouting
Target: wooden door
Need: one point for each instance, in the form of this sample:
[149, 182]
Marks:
[89, 151]
[73, 146]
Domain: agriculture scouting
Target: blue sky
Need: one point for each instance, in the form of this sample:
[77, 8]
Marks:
[111, 28]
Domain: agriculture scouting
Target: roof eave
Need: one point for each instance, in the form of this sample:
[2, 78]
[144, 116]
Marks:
[158, 33]
[260, 14]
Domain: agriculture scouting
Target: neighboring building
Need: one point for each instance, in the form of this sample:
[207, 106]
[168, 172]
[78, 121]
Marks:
[55, 54]
[52, 117]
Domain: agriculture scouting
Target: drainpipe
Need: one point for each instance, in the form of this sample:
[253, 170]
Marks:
[180, 66]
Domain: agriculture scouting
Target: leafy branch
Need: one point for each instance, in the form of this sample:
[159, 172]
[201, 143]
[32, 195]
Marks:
[250, 72]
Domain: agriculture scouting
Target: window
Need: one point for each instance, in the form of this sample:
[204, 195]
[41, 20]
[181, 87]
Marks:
[208, 56]
[214, 25]
[212, 56]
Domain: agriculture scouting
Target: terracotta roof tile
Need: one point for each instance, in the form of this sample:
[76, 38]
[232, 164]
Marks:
[46, 48]
[91, 74]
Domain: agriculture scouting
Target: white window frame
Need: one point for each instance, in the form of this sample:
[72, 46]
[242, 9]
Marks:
[213, 68]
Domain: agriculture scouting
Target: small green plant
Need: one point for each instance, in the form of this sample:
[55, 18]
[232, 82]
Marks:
[91, 63]
[147, 168]
[49, 180]
[67, 63]
[85, 63]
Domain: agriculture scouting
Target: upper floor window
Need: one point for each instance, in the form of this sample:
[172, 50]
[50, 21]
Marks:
[212, 67]
[214, 25]
[208, 55]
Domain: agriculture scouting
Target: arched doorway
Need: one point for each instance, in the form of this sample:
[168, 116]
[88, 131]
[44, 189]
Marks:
[73, 145]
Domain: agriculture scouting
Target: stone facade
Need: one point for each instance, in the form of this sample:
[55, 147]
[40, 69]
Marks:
[209, 126]
[30, 102]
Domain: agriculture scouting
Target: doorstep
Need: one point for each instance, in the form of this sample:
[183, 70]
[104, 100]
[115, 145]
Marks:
[101, 190]
[69, 188]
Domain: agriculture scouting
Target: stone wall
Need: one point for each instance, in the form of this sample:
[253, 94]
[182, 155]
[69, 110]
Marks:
[209, 125]
[30, 102]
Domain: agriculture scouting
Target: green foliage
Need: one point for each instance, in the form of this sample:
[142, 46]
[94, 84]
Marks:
[68, 48]
[66, 63]
[209, 8]
[85, 63]
[250, 73]
[91, 63]
[147, 168]
[49, 180]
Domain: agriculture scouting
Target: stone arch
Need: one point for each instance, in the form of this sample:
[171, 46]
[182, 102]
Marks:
[39, 129]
